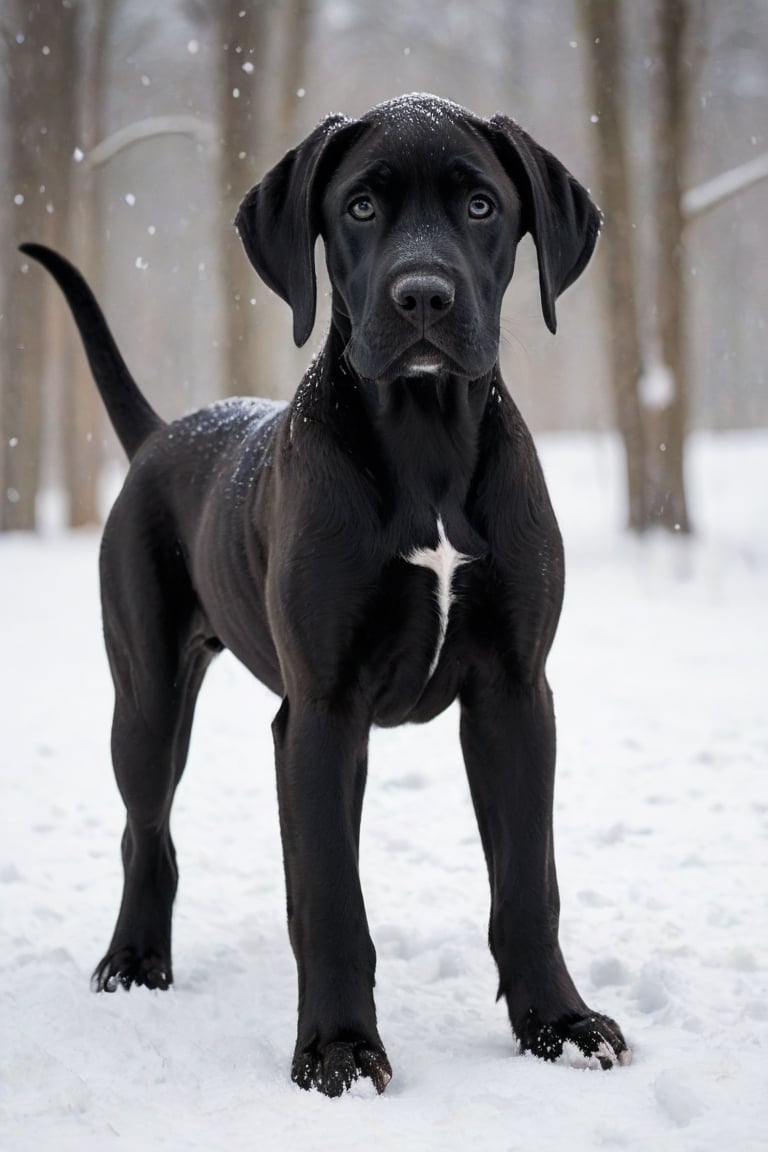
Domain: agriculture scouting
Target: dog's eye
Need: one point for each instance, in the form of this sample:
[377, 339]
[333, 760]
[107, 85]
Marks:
[480, 207]
[362, 209]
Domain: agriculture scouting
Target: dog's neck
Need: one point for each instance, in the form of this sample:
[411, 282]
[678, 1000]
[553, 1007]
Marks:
[423, 431]
[429, 429]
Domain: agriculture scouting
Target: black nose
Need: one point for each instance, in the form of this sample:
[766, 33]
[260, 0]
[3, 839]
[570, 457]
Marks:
[422, 298]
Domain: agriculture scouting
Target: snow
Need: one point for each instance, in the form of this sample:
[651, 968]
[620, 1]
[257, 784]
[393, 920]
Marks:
[656, 386]
[661, 823]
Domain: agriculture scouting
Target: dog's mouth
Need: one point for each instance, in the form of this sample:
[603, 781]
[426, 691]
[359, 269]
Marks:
[424, 360]
[464, 351]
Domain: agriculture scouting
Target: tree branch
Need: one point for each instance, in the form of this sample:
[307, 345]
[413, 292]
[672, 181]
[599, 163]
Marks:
[696, 201]
[200, 130]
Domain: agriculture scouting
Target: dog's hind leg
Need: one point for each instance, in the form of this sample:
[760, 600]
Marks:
[158, 655]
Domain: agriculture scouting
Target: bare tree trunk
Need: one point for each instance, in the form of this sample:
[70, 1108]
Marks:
[22, 346]
[295, 35]
[242, 35]
[667, 421]
[262, 51]
[83, 419]
[291, 52]
[39, 52]
[601, 24]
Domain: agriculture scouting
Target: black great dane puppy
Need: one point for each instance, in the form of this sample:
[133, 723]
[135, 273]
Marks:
[376, 549]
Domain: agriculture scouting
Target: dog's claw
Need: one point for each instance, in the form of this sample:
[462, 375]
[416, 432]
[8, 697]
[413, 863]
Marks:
[339, 1069]
[303, 1070]
[334, 1070]
[597, 1037]
[601, 1038]
[374, 1064]
[125, 968]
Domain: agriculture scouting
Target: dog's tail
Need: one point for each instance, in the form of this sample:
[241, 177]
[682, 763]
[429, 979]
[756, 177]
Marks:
[132, 417]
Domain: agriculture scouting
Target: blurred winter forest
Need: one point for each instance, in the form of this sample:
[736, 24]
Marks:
[129, 131]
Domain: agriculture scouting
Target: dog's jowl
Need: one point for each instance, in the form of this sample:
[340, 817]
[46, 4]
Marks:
[376, 549]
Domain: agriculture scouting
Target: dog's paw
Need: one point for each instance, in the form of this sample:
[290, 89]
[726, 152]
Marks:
[597, 1038]
[333, 1069]
[124, 967]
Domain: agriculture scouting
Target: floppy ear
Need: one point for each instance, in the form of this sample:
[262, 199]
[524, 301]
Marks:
[558, 212]
[278, 223]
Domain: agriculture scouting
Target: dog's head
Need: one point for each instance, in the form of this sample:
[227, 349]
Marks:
[421, 206]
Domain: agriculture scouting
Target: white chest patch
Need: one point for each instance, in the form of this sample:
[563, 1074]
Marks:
[443, 561]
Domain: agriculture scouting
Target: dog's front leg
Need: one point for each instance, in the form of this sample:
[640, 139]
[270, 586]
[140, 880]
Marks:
[508, 740]
[321, 759]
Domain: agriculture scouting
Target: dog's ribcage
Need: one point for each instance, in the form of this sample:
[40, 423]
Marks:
[443, 561]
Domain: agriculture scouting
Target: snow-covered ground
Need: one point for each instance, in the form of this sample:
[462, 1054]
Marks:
[659, 673]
